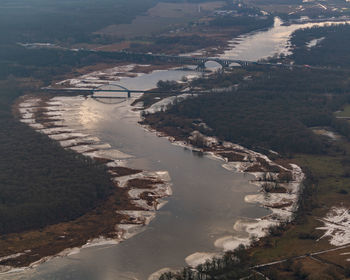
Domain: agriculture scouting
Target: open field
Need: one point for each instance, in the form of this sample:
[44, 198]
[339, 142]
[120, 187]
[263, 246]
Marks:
[163, 17]
[344, 113]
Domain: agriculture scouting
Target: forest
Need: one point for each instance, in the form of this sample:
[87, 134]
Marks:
[274, 107]
[40, 183]
[335, 40]
[69, 21]
[274, 110]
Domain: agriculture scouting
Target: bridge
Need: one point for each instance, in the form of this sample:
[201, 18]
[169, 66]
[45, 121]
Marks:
[195, 60]
[92, 91]
[149, 57]
[178, 59]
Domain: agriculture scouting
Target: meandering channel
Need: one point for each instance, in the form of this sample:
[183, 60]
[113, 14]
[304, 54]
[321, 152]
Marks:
[207, 199]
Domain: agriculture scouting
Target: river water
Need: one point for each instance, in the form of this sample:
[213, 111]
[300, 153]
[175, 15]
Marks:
[207, 199]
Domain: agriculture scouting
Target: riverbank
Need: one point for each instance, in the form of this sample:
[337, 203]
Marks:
[135, 198]
[278, 184]
[236, 157]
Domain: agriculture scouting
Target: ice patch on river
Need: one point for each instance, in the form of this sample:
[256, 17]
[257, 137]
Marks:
[100, 78]
[200, 258]
[163, 104]
[60, 119]
[282, 204]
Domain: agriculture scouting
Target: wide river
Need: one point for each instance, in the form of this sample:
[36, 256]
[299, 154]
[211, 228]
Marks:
[207, 199]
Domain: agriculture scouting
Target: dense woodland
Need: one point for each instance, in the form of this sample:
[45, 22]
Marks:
[274, 110]
[40, 183]
[332, 51]
[69, 21]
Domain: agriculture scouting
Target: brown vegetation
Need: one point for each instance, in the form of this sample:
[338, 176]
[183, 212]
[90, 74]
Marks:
[53, 239]
[120, 171]
[143, 183]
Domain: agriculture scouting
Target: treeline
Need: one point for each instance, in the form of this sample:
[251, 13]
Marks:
[233, 265]
[40, 183]
[275, 110]
[246, 23]
[332, 51]
[46, 63]
[64, 21]
[171, 44]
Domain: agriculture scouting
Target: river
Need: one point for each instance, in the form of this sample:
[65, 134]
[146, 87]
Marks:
[207, 199]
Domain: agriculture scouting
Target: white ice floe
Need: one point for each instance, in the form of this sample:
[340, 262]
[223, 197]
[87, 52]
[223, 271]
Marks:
[126, 231]
[56, 130]
[256, 228]
[36, 126]
[100, 78]
[100, 241]
[27, 115]
[163, 104]
[273, 200]
[30, 102]
[28, 121]
[231, 242]
[200, 258]
[78, 141]
[156, 275]
[337, 226]
[54, 113]
[87, 148]
[246, 230]
[66, 136]
[111, 154]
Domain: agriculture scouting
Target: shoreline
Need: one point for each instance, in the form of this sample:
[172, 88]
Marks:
[282, 203]
[44, 115]
[90, 146]
[142, 192]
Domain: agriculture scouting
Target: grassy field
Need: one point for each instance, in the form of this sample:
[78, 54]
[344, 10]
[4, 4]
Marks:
[344, 113]
[163, 17]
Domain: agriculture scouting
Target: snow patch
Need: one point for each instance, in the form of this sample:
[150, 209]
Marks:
[200, 258]
[337, 226]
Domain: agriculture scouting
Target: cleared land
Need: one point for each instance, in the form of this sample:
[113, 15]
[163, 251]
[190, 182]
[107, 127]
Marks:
[163, 17]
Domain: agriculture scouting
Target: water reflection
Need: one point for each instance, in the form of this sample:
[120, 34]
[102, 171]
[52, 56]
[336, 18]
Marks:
[207, 199]
[259, 45]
